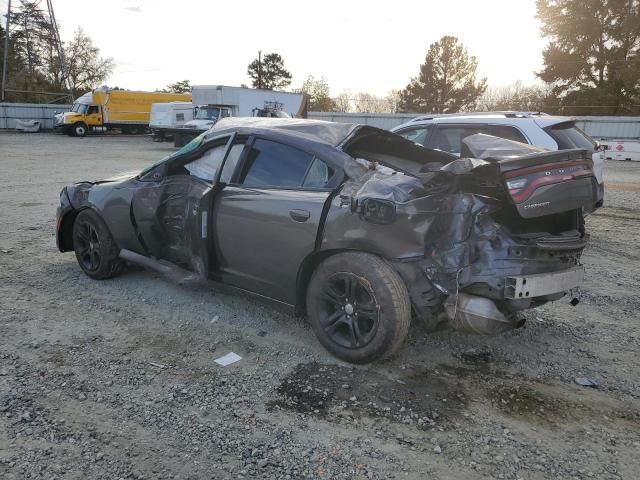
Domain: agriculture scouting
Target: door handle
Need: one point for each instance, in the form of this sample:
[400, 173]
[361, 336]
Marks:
[299, 215]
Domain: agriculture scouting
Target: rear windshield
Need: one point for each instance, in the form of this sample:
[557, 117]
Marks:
[567, 136]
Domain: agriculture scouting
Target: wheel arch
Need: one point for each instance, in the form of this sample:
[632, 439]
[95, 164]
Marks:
[65, 228]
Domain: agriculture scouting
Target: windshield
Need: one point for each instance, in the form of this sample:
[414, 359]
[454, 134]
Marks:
[208, 114]
[80, 107]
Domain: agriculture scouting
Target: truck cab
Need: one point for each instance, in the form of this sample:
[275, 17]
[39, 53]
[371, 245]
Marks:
[84, 115]
[205, 116]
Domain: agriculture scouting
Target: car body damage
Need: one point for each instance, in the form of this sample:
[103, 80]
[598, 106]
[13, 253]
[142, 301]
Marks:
[473, 240]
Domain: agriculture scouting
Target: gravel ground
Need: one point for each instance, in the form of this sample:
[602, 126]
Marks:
[116, 379]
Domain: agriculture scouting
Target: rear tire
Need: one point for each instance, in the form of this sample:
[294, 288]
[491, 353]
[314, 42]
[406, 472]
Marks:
[359, 307]
[79, 129]
[96, 251]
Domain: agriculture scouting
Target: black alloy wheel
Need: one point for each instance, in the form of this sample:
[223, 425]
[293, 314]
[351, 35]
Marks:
[96, 251]
[88, 246]
[349, 312]
[358, 306]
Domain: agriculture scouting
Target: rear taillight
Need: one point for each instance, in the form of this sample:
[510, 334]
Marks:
[522, 183]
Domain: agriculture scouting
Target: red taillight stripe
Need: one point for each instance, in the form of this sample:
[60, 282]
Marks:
[547, 166]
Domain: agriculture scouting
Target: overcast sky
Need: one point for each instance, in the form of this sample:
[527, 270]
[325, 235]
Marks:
[358, 46]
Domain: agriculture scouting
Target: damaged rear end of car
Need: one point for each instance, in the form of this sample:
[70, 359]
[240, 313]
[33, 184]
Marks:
[475, 239]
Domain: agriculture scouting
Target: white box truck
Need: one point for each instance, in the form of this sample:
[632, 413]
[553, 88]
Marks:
[213, 102]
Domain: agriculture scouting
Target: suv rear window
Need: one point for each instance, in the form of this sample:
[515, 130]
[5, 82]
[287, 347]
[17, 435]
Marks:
[567, 136]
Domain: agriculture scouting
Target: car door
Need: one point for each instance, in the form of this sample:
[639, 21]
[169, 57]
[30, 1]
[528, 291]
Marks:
[171, 208]
[267, 217]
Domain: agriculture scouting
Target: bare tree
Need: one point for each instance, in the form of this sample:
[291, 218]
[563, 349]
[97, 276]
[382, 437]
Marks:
[85, 67]
[343, 102]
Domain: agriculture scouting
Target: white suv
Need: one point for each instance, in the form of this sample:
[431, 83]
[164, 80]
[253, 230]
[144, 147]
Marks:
[445, 132]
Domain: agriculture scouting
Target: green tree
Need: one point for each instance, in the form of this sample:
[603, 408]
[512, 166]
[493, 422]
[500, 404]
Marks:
[181, 86]
[269, 73]
[446, 82]
[593, 57]
[317, 89]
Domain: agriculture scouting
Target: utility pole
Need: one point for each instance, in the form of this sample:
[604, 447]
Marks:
[259, 65]
[6, 51]
[59, 47]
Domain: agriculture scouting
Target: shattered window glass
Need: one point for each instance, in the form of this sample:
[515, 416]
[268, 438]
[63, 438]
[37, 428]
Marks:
[207, 165]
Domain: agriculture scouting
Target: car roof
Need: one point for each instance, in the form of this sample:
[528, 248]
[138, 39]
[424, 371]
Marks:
[317, 131]
[541, 119]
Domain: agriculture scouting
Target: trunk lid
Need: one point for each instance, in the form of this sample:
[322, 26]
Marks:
[538, 182]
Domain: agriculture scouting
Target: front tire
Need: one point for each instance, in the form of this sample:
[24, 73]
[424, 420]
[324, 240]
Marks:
[79, 129]
[96, 251]
[359, 307]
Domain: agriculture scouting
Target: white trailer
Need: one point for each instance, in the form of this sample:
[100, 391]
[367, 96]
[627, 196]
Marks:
[621, 149]
[165, 116]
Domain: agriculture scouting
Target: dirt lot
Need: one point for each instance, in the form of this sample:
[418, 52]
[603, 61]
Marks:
[115, 379]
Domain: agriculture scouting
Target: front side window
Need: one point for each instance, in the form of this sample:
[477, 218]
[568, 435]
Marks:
[93, 109]
[206, 166]
[417, 135]
[274, 164]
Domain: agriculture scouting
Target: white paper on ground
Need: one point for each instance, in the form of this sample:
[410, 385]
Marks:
[228, 359]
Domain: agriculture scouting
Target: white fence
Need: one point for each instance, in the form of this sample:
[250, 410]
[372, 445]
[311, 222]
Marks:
[43, 113]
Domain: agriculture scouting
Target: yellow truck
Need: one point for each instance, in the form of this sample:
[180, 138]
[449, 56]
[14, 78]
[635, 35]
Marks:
[106, 109]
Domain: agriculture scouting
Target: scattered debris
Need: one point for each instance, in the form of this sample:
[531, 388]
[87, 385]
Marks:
[586, 382]
[574, 301]
[157, 365]
[228, 359]
[215, 319]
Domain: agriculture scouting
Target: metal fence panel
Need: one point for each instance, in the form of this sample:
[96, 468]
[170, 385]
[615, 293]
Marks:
[380, 120]
[610, 127]
[598, 127]
[10, 112]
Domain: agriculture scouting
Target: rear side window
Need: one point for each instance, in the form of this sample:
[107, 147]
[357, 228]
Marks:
[506, 131]
[567, 136]
[274, 164]
[449, 138]
[416, 135]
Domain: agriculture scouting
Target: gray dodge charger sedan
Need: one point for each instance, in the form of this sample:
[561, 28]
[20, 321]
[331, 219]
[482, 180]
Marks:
[356, 227]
